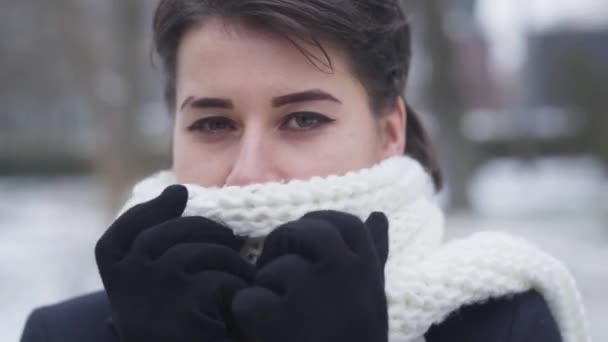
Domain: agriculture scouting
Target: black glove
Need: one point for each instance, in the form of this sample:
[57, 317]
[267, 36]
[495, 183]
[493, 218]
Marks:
[321, 279]
[171, 278]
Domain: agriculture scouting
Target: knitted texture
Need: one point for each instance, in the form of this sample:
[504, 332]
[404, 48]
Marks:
[425, 279]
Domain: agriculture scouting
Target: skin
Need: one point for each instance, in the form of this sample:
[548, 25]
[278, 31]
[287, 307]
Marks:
[253, 140]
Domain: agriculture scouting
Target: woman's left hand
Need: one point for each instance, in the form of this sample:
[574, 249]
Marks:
[321, 279]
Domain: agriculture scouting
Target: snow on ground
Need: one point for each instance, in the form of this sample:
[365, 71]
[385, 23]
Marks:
[47, 232]
[48, 229]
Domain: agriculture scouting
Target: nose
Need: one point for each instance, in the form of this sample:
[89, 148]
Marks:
[254, 162]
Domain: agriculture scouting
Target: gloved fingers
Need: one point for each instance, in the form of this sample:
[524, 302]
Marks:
[155, 241]
[364, 238]
[378, 226]
[316, 240]
[352, 230]
[117, 240]
[194, 258]
[215, 292]
[258, 314]
[283, 272]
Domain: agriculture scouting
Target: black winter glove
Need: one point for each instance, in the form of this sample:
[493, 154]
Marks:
[171, 278]
[321, 279]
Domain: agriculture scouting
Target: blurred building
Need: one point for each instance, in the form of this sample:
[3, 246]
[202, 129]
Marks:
[567, 78]
[548, 61]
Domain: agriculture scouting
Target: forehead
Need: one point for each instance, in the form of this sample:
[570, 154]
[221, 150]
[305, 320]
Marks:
[220, 53]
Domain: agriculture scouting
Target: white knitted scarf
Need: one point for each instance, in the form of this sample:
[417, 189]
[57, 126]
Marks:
[426, 279]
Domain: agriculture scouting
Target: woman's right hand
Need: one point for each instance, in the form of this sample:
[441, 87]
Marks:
[171, 278]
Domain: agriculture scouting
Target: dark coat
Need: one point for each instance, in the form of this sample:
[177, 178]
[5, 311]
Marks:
[521, 318]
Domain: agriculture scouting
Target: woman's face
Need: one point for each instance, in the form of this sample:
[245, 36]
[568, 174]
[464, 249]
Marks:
[251, 109]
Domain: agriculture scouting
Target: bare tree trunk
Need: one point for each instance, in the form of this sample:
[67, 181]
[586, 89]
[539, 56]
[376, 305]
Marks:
[119, 156]
[459, 156]
[106, 51]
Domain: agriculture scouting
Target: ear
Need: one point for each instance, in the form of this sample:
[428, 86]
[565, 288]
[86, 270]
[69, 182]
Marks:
[392, 127]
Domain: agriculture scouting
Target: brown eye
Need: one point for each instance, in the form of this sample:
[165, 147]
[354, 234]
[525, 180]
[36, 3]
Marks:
[303, 121]
[212, 125]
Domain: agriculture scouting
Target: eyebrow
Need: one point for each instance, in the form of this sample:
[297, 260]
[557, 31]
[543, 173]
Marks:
[304, 96]
[207, 102]
[280, 101]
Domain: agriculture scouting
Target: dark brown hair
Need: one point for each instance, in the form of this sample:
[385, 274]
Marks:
[374, 33]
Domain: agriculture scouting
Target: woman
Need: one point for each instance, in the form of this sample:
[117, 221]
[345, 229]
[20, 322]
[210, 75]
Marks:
[302, 219]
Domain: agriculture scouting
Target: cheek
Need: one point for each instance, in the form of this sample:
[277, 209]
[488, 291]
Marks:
[354, 149]
[193, 163]
[346, 148]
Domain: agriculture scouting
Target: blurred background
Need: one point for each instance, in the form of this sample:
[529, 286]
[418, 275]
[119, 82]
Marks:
[514, 92]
